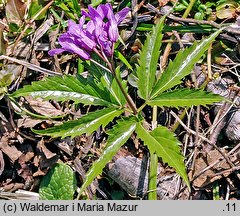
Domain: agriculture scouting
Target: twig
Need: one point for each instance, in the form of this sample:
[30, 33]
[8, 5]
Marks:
[209, 167]
[30, 66]
[203, 138]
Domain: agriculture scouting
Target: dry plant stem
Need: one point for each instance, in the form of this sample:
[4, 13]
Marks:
[209, 63]
[169, 45]
[30, 23]
[223, 116]
[214, 134]
[30, 66]
[196, 146]
[203, 138]
[228, 29]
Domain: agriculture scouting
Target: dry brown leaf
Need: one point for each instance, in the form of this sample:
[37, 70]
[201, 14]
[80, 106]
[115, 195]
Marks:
[27, 155]
[43, 107]
[11, 151]
[209, 176]
[28, 122]
[15, 11]
[48, 154]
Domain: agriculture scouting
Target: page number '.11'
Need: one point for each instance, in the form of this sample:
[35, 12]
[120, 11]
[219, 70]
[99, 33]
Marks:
[230, 207]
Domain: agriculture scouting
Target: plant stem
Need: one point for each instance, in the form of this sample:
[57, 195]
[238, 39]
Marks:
[152, 184]
[169, 45]
[128, 98]
[189, 8]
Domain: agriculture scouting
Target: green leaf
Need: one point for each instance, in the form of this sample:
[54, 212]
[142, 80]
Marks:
[35, 8]
[184, 97]
[118, 135]
[182, 65]
[163, 142]
[86, 124]
[76, 7]
[108, 82]
[148, 61]
[120, 56]
[66, 88]
[96, 2]
[58, 184]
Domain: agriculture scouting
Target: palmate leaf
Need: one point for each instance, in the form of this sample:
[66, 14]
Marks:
[86, 124]
[184, 97]
[163, 142]
[118, 135]
[148, 61]
[66, 88]
[107, 81]
[182, 65]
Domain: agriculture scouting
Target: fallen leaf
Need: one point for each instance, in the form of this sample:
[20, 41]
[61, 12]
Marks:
[15, 11]
[11, 151]
[43, 107]
[209, 176]
[28, 122]
[48, 154]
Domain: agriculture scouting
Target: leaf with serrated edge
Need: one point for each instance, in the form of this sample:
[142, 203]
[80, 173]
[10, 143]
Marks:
[59, 184]
[65, 88]
[148, 61]
[86, 124]
[107, 81]
[182, 65]
[118, 135]
[163, 142]
[184, 97]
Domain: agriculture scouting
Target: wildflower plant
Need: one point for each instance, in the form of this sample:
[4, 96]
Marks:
[93, 39]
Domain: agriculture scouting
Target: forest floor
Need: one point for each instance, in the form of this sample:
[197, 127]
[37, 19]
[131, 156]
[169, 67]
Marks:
[210, 135]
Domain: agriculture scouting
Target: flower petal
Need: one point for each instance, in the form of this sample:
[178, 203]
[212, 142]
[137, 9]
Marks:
[111, 24]
[120, 16]
[73, 48]
[55, 51]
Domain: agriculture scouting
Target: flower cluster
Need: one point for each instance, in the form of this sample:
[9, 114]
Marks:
[99, 35]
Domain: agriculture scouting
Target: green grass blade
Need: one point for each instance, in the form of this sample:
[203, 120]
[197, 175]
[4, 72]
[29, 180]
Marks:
[182, 65]
[148, 61]
[120, 133]
[163, 142]
[184, 98]
[86, 124]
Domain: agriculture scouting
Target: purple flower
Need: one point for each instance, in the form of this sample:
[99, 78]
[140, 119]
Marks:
[106, 24]
[76, 40]
[100, 34]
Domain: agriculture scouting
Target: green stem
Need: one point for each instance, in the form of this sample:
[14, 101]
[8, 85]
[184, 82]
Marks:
[189, 8]
[128, 98]
[141, 107]
[152, 184]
